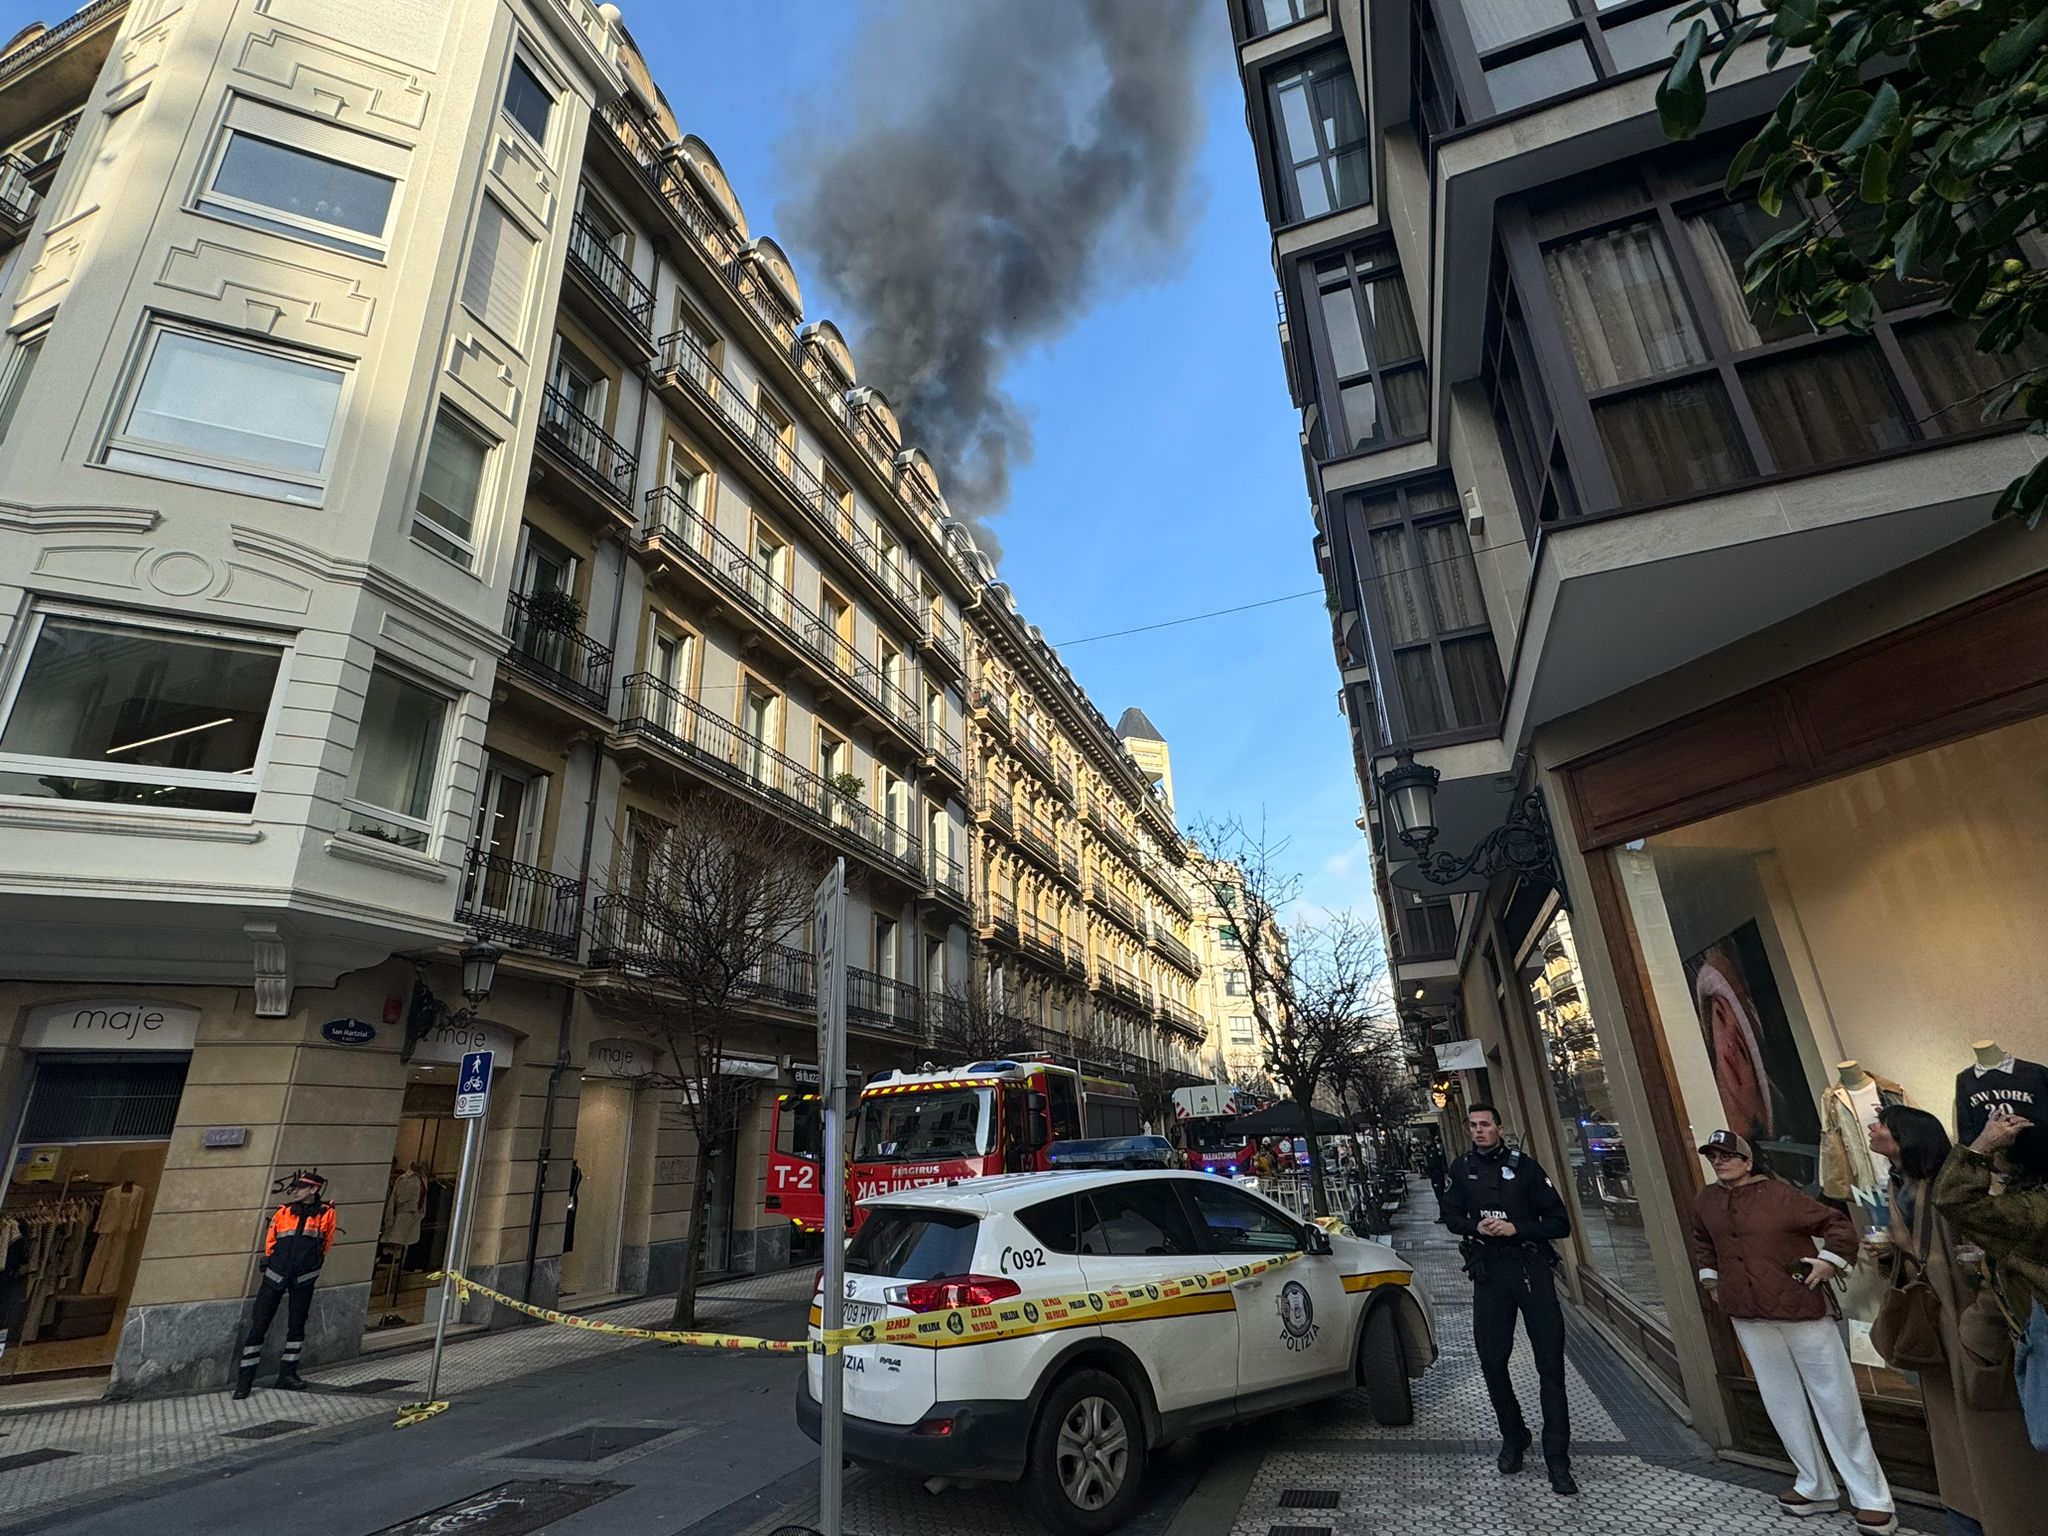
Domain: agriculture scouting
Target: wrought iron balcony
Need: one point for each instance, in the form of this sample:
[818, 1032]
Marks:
[1110, 832]
[999, 916]
[1181, 1020]
[520, 905]
[883, 1002]
[1039, 837]
[598, 458]
[943, 636]
[18, 199]
[946, 873]
[992, 799]
[944, 746]
[1063, 780]
[1177, 954]
[672, 720]
[551, 650]
[632, 932]
[607, 271]
[1038, 937]
[993, 706]
[1117, 905]
[1032, 742]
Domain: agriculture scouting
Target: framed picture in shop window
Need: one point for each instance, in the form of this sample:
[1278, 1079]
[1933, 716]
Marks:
[1756, 1060]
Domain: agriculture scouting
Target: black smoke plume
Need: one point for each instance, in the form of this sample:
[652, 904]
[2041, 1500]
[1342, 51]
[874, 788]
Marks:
[1001, 162]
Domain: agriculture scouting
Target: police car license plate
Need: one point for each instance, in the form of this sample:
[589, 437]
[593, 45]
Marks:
[858, 1312]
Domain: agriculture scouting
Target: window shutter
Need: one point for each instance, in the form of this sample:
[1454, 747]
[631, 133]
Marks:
[494, 287]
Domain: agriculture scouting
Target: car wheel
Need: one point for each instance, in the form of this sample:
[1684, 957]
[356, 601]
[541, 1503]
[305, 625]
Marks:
[1087, 1455]
[1383, 1368]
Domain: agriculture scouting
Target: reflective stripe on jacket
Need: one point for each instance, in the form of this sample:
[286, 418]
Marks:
[298, 1239]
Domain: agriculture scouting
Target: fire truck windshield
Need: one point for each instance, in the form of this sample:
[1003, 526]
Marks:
[1211, 1135]
[925, 1124]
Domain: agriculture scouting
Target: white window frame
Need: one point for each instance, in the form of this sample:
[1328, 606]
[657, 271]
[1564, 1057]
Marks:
[291, 130]
[28, 345]
[469, 547]
[437, 794]
[16, 675]
[236, 477]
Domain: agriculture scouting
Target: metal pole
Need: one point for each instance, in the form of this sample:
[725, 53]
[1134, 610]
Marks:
[831, 984]
[457, 1256]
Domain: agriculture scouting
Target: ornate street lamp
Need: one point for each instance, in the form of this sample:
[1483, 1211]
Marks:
[427, 1012]
[479, 971]
[1521, 844]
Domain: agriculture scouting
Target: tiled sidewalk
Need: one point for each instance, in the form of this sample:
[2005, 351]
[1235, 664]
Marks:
[1641, 1472]
[55, 1456]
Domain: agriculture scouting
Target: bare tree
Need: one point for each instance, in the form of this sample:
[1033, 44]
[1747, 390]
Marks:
[975, 1022]
[699, 919]
[1316, 991]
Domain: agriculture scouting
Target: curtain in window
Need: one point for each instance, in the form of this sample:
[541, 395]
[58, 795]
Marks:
[1960, 382]
[1675, 441]
[1826, 404]
[1391, 336]
[1453, 579]
[1496, 22]
[1404, 596]
[1421, 698]
[1473, 667]
[1622, 306]
[1723, 239]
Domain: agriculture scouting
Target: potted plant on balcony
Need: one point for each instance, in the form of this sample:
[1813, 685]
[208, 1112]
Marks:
[553, 609]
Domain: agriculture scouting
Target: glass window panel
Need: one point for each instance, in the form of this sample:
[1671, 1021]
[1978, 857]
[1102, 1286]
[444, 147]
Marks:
[1341, 327]
[1596, 1178]
[19, 371]
[1960, 382]
[1360, 404]
[1321, 130]
[1675, 441]
[449, 486]
[1392, 321]
[217, 401]
[1455, 598]
[528, 102]
[1550, 73]
[1497, 22]
[1404, 595]
[1407, 401]
[1473, 667]
[1421, 698]
[1723, 239]
[1826, 404]
[118, 697]
[398, 749]
[302, 184]
[1353, 171]
[1645, 39]
[1622, 305]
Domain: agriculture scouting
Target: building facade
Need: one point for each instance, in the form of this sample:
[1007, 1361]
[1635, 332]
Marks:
[414, 481]
[1676, 625]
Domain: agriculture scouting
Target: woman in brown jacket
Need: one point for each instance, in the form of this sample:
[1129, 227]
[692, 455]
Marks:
[1752, 1243]
[1980, 1455]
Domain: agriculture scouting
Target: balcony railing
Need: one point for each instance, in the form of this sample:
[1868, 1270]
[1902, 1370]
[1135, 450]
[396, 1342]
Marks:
[638, 933]
[1039, 837]
[599, 458]
[946, 873]
[604, 267]
[943, 635]
[1110, 832]
[1038, 937]
[1175, 951]
[1173, 1016]
[1063, 780]
[520, 905]
[18, 199]
[999, 913]
[992, 800]
[884, 1002]
[1032, 742]
[552, 651]
[945, 746]
[78, 21]
[686, 366]
[1117, 905]
[672, 719]
[993, 704]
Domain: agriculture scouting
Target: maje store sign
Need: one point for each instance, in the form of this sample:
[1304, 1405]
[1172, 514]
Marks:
[111, 1024]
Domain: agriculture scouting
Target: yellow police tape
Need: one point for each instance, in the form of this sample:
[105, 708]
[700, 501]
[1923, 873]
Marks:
[976, 1324]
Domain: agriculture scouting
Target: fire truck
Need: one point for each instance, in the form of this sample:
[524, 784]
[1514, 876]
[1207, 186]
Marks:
[796, 1162]
[989, 1117]
[1204, 1117]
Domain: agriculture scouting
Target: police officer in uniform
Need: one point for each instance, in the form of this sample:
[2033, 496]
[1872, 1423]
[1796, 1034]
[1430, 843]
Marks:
[1503, 1207]
[294, 1247]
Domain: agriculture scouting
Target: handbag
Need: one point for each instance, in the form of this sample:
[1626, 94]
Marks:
[1984, 1355]
[1907, 1329]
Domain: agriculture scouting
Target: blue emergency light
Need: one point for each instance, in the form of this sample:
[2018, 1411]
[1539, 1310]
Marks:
[1112, 1152]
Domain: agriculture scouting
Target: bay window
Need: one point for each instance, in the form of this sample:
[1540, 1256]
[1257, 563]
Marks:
[230, 414]
[1319, 134]
[136, 712]
[305, 179]
[1370, 350]
[396, 770]
[451, 481]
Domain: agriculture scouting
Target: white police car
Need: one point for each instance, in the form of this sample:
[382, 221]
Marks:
[1073, 1402]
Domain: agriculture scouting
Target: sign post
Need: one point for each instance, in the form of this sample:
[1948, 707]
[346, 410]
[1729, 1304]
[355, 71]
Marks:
[829, 914]
[472, 1102]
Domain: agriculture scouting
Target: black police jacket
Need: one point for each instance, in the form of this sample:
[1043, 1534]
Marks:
[1509, 1184]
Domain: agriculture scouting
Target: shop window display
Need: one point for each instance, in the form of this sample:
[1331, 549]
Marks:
[1878, 939]
[1590, 1132]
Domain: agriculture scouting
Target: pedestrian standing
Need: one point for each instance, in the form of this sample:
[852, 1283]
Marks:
[1503, 1205]
[1980, 1452]
[295, 1246]
[1435, 1169]
[1752, 1243]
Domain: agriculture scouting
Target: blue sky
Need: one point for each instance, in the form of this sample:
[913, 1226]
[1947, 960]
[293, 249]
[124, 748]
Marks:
[1167, 475]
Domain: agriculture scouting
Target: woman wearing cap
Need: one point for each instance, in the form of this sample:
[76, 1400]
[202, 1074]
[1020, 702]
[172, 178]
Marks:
[1752, 1243]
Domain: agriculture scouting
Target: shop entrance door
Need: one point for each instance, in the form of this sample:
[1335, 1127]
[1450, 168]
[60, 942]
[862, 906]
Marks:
[420, 1199]
[716, 1254]
[590, 1236]
[80, 1190]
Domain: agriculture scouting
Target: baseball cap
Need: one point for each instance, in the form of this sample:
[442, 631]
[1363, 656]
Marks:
[1727, 1141]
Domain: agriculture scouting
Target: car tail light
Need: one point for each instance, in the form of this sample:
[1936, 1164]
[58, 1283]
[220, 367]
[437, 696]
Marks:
[954, 1291]
[940, 1427]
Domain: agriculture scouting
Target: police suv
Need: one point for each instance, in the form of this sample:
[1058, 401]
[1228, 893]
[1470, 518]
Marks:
[1071, 1398]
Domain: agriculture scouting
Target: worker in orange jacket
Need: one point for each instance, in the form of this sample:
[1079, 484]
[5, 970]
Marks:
[301, 1231]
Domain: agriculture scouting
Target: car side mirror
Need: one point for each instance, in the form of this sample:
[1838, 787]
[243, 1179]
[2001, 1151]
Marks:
[1036, 1133]
[1316, 1242]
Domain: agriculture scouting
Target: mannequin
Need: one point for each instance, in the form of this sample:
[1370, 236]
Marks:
[120, 1216]
[1996, 1076]
[1849, 1170]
